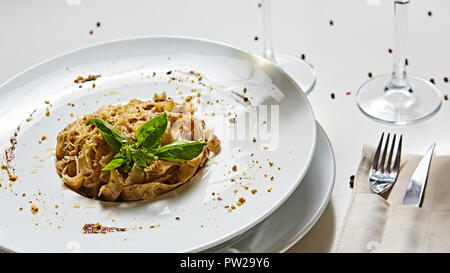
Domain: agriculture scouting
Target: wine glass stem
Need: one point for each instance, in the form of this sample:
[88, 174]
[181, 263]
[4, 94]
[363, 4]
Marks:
[399, 79]
[267, 32]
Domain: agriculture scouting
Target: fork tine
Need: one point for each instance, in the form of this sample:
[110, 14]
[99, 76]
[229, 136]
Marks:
[377, 154]
[383, 156]
[390, 154]
[397, 157]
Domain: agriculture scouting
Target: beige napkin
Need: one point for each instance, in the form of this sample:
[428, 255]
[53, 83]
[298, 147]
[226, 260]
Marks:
[376, 223]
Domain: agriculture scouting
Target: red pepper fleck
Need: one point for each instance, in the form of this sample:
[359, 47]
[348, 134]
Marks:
[348, 93]
[91, 32]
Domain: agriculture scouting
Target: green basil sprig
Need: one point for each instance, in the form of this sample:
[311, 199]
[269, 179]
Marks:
[148, 145]
[111, 135]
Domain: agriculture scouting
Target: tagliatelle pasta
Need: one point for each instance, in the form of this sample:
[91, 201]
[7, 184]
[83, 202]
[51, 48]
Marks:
[82, 153]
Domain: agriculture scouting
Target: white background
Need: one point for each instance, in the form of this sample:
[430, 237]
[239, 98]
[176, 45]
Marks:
[342, 55]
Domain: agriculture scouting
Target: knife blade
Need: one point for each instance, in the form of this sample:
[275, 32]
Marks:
[414, 193]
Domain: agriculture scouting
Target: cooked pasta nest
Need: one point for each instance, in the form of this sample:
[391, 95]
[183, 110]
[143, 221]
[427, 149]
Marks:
[82, 153]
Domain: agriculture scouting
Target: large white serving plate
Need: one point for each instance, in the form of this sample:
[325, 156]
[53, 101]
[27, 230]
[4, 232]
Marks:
[298, 214]
[191, 219]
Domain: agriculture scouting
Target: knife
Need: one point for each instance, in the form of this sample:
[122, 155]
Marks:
[414, 193]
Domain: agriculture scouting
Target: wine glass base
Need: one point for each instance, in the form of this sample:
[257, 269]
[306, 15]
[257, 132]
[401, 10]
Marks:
[300, 71]
[397, 105]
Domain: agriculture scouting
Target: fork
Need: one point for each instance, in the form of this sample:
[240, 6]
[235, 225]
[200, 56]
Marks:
[382, 177]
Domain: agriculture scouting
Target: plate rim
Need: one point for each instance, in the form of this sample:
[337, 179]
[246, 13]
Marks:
[301, 93]
[311, 221]
[324, 203]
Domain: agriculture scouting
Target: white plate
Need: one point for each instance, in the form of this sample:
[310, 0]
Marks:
[126, 68]
[298, 214]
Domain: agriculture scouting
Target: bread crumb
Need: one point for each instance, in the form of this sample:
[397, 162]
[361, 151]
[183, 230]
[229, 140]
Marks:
[34, 209]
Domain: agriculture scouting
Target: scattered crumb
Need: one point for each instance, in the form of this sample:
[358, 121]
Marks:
[34, 209]
[241, 201]
[352, 181]
[234, 168]
[81, 79]
[12, 177]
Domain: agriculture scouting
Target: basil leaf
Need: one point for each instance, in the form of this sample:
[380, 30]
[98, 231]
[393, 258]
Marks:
[116, 162]
[180, 151]
[141, 158]
[111, 135]
[149, 134]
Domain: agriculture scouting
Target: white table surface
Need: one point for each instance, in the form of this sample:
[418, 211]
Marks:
[342, 55]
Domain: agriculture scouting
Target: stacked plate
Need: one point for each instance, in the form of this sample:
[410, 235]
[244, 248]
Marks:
[265, 189]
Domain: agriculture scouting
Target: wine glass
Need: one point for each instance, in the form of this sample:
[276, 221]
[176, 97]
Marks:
[299, 70]
[399, 98]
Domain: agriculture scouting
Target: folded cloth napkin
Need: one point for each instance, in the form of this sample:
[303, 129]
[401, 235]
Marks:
[375, 223]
